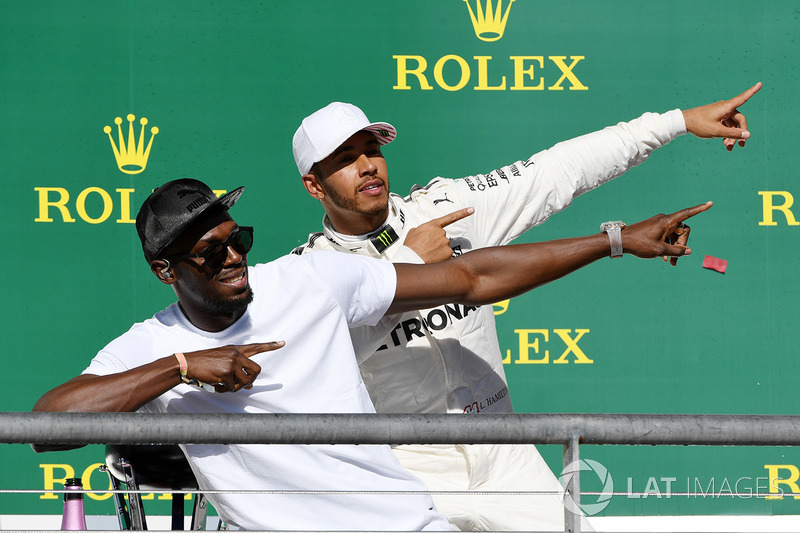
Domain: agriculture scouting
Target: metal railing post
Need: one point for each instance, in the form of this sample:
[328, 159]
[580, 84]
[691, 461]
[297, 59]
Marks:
[572, 492]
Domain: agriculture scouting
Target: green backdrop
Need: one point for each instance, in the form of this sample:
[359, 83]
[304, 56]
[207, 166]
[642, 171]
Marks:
[227, 83]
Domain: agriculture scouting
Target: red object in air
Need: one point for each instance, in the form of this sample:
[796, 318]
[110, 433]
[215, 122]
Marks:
[715, 263]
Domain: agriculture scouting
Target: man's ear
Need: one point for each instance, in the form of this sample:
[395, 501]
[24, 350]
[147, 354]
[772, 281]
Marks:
[163, 271]
[313, 186]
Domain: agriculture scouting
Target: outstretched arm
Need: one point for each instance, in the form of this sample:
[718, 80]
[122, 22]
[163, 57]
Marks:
[491, 274]
[512, 199]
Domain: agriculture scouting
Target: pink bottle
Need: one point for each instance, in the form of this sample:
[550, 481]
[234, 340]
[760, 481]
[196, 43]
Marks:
[74, 518]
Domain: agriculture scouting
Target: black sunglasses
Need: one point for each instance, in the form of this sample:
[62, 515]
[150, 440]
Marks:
[241, 240]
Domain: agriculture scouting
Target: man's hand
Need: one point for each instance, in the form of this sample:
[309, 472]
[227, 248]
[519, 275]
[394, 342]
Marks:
[429, 240]
[661, 235]
[721, 119]
[228, 368]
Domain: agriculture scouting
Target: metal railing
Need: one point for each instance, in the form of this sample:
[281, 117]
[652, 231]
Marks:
[570, 430]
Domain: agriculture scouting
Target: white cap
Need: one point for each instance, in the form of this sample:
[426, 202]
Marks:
[322, 132]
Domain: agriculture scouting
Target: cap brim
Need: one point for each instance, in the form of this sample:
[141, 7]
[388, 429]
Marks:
[383, 131]
[232, 197]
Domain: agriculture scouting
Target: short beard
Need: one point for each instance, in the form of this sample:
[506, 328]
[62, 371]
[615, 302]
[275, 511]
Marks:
[229, 306]
[349, 204]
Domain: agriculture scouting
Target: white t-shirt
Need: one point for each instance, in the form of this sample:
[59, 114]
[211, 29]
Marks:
[309, 302]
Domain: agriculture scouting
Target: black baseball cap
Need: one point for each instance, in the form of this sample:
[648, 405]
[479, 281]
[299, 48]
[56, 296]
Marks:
[172, 208]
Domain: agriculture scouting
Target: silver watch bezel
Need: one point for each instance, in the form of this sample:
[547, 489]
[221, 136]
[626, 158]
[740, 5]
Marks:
[613, 228]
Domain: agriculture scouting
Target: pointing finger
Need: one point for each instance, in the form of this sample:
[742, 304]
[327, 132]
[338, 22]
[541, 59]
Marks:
[683, 214]
[249, 350]
[452, 217]
[736, 101]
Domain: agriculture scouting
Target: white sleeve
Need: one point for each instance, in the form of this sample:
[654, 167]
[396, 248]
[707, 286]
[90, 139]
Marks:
[367, 339]
[130, 350]
[512, 199]
[406, 255]
[363, 287]
[105, 363]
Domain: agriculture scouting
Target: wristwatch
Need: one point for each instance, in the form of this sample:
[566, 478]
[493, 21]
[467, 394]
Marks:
[614, 230]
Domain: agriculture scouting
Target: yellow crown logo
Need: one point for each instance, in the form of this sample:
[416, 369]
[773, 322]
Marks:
[489, 24]
[131, 158]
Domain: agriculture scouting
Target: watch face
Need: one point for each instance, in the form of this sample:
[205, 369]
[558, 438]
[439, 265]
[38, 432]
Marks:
[605, 226]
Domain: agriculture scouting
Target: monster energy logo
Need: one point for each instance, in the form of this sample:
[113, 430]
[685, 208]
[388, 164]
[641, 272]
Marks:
[384, 239]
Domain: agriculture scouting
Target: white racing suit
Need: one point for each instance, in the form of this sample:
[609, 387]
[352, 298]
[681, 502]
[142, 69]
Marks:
[447, 359]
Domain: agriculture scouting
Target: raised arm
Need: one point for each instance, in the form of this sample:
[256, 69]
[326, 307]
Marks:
[492, 274]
